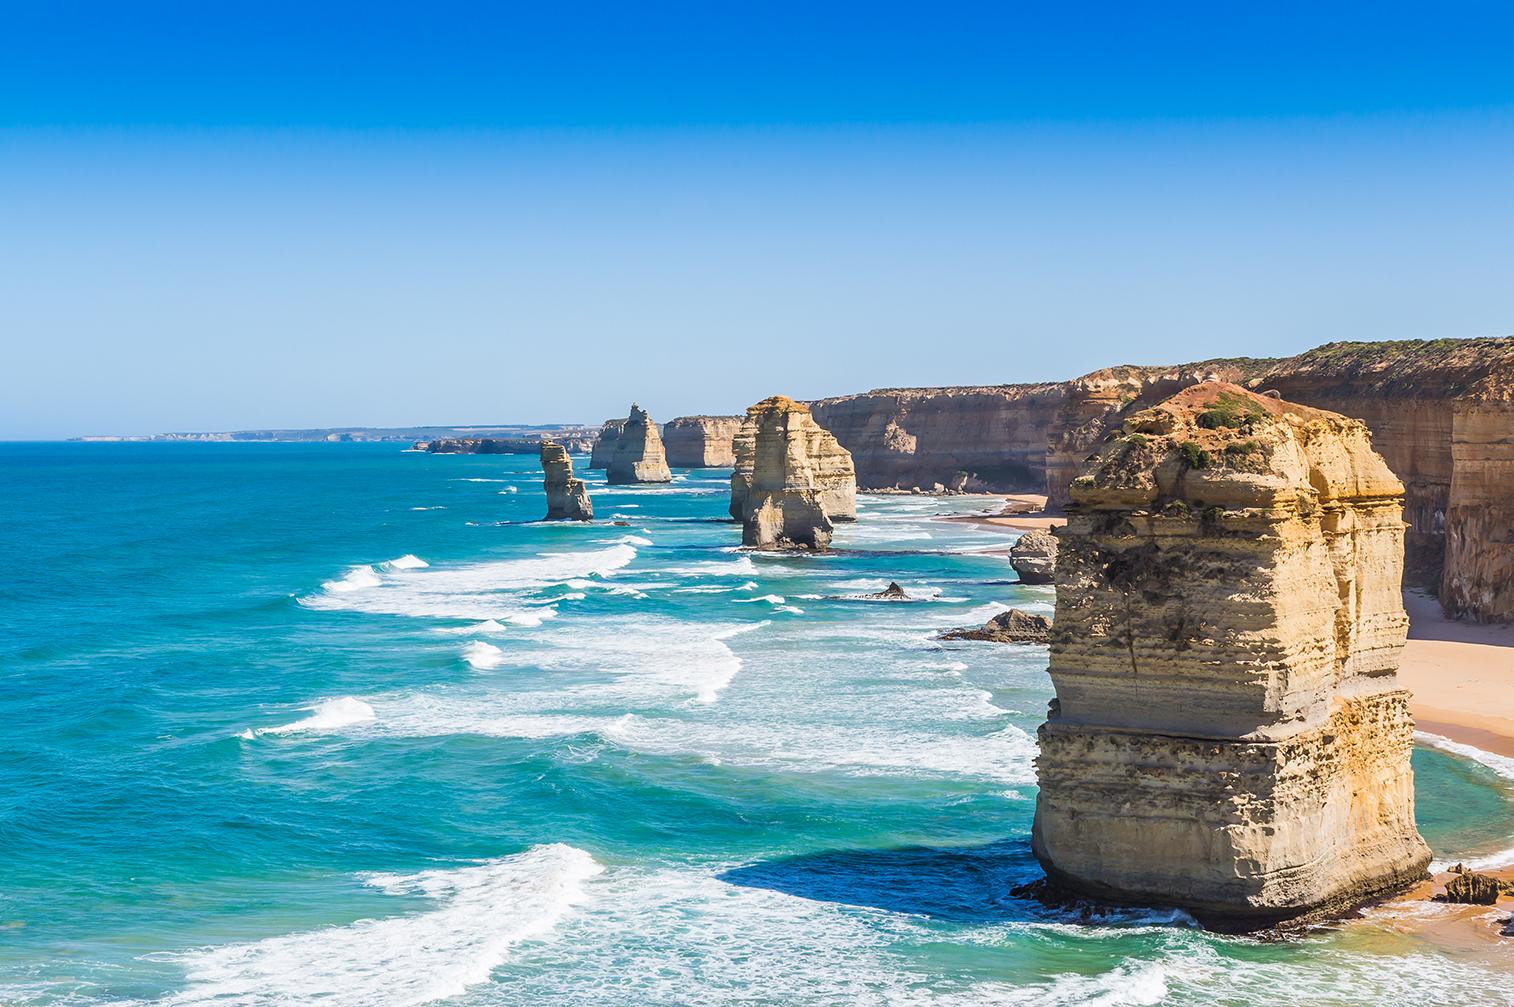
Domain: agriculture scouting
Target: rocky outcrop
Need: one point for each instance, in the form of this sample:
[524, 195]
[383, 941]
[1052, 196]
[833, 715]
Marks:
[604, 444]
[979, 439]
[1471, 889]
[567, 497]
[701, 442]
[482, 446]
[792, 481]
[638, 456]
[1013, 626]
[1228, 734]
[1034, 557]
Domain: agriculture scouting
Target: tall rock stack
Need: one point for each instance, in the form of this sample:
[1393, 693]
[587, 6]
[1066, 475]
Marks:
[567, 497]
[604, 444]
[792, 481]
[638, 457]
[701, 442]
[1228, 734]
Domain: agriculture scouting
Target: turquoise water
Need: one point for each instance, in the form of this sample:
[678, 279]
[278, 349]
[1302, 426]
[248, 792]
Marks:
[340, 724]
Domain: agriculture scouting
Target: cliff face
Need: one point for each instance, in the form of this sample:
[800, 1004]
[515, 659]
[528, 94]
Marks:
[1479, 525]
[792, 480]
[567, 497]
[1228, 733]
[989, 438]
[639, 455]
[604, 444]
[482, 446]
[701, 441]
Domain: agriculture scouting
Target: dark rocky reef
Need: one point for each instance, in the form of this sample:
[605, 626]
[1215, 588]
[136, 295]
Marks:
[1013, 626]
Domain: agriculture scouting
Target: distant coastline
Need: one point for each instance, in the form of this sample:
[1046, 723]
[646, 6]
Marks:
[357, 434]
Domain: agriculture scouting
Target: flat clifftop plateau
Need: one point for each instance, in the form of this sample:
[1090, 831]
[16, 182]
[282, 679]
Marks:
[701, 441]
[1228, 733]
[792, 481]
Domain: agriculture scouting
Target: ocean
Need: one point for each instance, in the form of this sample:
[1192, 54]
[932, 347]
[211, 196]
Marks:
[342, 724]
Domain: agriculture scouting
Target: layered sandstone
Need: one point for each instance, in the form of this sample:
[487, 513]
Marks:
[604, 444]
[984, 438]
[1034, 557]
[792, 480]
[1478, 580]
[701, 441]
[1228, 734]
[639, 455]
[567, 497]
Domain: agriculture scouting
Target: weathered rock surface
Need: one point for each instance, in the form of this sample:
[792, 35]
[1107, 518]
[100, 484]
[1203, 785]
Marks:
[891, 593]
[1013, 626]
[697, 442]
[792, 481]
[1034, 557]
[604, 444]
[1471, 889]
[567, 497]
[639, 456]
[1228, 734]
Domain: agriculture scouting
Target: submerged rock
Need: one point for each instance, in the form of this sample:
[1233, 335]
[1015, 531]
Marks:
[792, 480]
[639, 456]
[567, 497]
[1228, 733]
[1034, 557]
[1471, 889]
[1013, 626]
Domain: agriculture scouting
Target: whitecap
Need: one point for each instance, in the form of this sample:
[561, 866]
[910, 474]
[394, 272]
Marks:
[479, 914]
[405, 562]
[482, 656]
[487, 626]
[771, 599]
[356, 579]
[330, 715]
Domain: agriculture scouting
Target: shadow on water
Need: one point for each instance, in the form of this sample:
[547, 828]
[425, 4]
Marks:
[963, 884]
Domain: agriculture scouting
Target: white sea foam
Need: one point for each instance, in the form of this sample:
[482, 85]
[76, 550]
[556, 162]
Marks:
[330, 715]
[771, 599]
[480, 914]
[625, 540]
[1500, 764]
[714, 567]
[482, 591]
[477, 480]
[405, 562]
[487, 626]
[509, 489]
[482, 656]
[438, 507]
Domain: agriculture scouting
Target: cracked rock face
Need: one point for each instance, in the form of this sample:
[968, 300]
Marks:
[567, 497]
[604, 444]
[638, 456]
[1228, 734]
[792, 481]
[697, 442]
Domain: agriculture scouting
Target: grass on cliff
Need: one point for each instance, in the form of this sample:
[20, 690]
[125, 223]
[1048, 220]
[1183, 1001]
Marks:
[1230, 411]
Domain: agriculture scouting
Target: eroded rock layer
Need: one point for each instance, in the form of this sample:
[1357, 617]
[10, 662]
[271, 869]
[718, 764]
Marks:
[604, 444]
[1228, 733]
[792, 480]
[701, 441]
[638, 455]
[567, 496]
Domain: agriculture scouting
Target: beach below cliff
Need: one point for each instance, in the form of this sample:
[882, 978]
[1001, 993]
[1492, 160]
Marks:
[1462, 677]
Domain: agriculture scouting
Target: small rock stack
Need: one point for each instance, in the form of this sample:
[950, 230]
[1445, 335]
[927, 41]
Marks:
[567, 497]
[792, 479]
[638, 455]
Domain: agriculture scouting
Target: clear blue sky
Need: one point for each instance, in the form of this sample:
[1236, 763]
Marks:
[232, 215]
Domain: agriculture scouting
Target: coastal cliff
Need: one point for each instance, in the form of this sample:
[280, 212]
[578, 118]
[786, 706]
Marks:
[985, 438]
[1228, 734]
[792, 480]
[1479, 526]
[701, 441]
[604, 444]
[638, 455]
[567, 497]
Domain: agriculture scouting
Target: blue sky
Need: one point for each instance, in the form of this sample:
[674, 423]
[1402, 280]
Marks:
[236, 215]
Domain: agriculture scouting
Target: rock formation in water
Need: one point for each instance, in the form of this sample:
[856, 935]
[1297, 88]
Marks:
[701, 442]
[604, 444]
[482, 446]
[1034, 557]
[792, 481]
[638, 456]
[1471, 889]
[1013, 626]
[567, 497]
[1228, 733]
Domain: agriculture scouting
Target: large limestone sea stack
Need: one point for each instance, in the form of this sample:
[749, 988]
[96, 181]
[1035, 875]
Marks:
[638, 457]
[792, 481]
[567, 497]
[1229, 734]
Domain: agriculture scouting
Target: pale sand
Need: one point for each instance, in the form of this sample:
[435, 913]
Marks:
[1462, 676]
[1021, 512]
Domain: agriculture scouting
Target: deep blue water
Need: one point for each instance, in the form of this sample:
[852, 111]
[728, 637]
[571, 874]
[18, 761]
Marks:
[341, 724]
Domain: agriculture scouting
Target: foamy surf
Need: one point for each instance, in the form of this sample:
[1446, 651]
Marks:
[331, 715]
[405, 562]
[482, 656]
[480, 914]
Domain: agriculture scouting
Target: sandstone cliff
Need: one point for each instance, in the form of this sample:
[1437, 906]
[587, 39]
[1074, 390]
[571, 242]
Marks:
[567, 497]
[604, 444]
[638, 456]
[482, 446]
[988, 438]
[1034, 557]
[701, 441]
[1228, 733]
[792, 481]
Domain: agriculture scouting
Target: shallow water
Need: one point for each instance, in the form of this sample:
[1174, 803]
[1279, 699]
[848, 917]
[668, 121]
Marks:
[340, 724]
